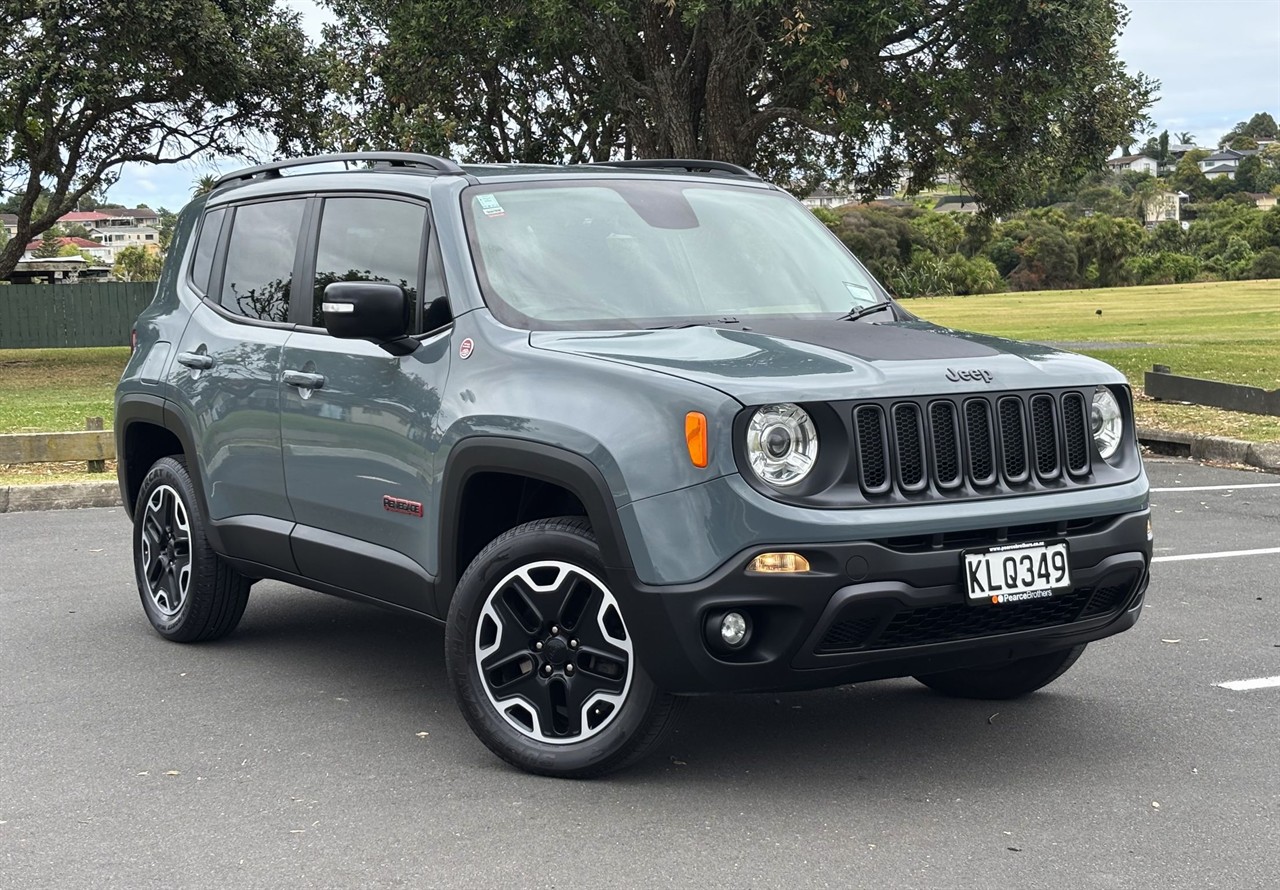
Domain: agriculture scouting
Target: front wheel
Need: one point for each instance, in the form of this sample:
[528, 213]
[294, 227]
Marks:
[1010, 680]
[541, 660]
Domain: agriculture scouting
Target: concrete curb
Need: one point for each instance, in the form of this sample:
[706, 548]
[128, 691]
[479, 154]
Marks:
[68, 495]
[59, 496]
[1264, 456]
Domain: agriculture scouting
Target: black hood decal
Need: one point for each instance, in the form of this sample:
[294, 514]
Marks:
[875, 342]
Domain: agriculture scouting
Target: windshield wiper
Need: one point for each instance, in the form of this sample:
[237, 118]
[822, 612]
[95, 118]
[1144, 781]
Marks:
[695, 324]
[855, 314]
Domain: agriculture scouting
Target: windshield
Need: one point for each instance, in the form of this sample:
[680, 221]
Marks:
[653, 253]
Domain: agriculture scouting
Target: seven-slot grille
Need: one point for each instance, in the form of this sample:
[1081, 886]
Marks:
[975, 440]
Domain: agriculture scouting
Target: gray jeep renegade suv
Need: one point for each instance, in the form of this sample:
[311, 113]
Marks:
[631, 431]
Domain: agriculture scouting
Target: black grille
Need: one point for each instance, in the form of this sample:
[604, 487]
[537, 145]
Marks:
[960, 621]
[1013, 439]
[872, 451]
[909, 444]
[946, 444]
[1076, 431]
[979, 446]
[977, 425]
[1045, 429]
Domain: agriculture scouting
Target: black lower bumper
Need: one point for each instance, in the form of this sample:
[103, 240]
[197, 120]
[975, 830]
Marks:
[877, 609]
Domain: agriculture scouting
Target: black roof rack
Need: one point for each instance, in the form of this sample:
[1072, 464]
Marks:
[384, 158]
[689, 165]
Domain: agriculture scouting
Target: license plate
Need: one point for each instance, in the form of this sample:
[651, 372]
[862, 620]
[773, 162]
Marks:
[1016, 573]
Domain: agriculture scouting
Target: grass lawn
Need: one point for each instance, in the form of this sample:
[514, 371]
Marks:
[1227, 331]
[54, 390]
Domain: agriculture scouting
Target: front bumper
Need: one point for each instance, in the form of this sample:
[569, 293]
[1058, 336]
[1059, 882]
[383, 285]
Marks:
[885, 608]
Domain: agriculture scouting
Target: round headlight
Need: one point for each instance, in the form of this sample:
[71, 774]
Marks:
[1106, 422]
[782, 444]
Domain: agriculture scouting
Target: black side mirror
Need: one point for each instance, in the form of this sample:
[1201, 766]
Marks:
[369, 310]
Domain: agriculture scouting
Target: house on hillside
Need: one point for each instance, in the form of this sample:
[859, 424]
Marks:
[111, 217]
[9, 222]
[1135, 163]
[823, 197]
[1163, 207]
[99, 252]
[117, 238]
[1263, 201]
[1224, 162]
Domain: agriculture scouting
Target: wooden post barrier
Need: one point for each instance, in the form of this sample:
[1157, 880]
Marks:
[95, 424]
[31, 448]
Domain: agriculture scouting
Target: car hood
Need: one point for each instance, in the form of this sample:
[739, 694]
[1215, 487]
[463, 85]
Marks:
[824, 360]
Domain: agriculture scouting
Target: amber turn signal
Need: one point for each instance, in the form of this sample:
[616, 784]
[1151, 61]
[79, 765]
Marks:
[778, 563]
[695, 436]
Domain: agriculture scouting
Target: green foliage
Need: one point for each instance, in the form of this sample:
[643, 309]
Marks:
[1266, 264]
[881, 237]
[1106, 242]
[1048, 259]
[1247, 173]
[50, 245]
[137, 264]
[1261, 126]
[1188, 177]
[87, 87]
[856, 90]
[1163, 267]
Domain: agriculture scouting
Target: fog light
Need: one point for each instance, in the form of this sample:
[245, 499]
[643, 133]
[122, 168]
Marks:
[777, 563]
[733, 629]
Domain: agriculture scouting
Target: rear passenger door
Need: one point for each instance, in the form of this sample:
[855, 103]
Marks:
[226, 377]
[360, 444]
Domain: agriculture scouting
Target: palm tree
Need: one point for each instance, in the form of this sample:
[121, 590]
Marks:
[204, 185]
[1186, 138]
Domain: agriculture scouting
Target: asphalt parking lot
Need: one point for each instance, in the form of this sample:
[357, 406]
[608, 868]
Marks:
[319, 746]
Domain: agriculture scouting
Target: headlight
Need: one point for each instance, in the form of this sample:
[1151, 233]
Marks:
[1106, 422]
[782, 444]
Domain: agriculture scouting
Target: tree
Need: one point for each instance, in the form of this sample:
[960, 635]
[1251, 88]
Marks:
[137, 264]
[1188, 177]
[50, 245]
[799, 90]
[167, 220]
[1186, 137]
[204, 185]
[1261, 126]
[87, 87]
[1107, 242]
[1247, 172]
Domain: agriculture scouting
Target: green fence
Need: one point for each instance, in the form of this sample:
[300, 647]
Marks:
[43, 315]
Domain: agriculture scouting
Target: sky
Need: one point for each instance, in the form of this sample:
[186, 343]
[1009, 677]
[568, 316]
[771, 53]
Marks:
[1218, 62]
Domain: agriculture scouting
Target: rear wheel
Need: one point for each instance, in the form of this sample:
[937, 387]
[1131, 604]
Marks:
[188, 592]
[541, 660]
[1010, 680]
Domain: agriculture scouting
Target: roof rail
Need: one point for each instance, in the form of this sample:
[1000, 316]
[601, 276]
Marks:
[387, 158]
[689, 165]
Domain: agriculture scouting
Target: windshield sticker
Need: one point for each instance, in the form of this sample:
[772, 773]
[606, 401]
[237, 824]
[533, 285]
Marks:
[489, 204]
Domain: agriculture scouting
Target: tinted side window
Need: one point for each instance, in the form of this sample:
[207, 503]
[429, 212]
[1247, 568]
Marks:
[368, 239]
[202, 264]
[259, 271]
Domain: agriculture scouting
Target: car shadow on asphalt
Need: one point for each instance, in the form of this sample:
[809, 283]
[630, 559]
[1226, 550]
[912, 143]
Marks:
[895, 733]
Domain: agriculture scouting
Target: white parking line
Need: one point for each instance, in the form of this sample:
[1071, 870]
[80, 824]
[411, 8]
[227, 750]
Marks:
[1221, 555]
[1246, 685]
[1220, 487]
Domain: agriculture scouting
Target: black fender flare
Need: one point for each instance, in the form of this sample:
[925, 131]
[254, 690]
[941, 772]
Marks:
[546, 463]
[157, 411]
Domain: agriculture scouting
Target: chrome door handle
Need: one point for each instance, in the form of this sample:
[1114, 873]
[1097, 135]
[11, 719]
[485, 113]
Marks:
[304, 380]
[196, 360]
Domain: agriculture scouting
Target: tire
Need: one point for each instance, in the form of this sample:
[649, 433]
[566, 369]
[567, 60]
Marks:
[540, 659]
[188, 592]
[1011, 680]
